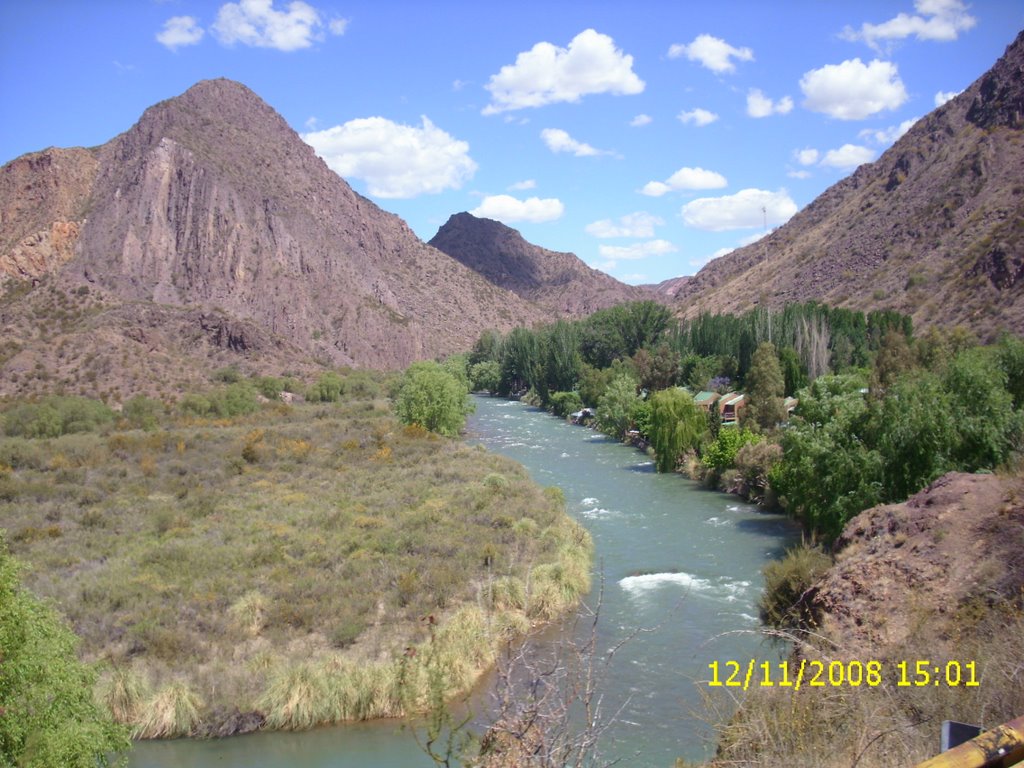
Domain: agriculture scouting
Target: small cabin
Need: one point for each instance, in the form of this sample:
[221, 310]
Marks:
[706, 399]
[729, 406]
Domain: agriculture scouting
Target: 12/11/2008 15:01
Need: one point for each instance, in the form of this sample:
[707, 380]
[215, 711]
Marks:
[819, 674]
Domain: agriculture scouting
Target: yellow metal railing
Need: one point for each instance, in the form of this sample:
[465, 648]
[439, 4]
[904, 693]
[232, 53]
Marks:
[1002, 746]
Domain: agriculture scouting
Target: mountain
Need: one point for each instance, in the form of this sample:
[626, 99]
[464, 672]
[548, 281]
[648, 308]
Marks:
[211, 212]
[934, 228]
[559, 282]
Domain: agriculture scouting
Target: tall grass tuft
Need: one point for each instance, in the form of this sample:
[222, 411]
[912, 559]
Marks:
[172, 712]
[298, 697]
[122, 692]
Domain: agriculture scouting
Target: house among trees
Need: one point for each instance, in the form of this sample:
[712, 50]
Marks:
[729, 406]
[705, 399]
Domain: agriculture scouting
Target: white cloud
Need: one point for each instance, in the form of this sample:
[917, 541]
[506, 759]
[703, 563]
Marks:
[641, 120]
[510, 209]
[547, 74]
[396, 161]
[890, 134]
[759, 105]
[943, 96]
[655, 189]
[853, 90]
[939, 20]
[806, 156]
[257, 23]
[847, 157]
[639, 224]
[712, 52]
[522, 185]
[699, 117]
[744, 210]
[799, 174]
[637, 250]
[558, 140]
[685, 178]
[179, 31]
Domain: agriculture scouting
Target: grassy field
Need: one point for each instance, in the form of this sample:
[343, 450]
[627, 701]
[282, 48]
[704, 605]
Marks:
[283, 563]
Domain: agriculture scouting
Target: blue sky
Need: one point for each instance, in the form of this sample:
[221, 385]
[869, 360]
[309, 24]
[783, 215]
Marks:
[645, 137]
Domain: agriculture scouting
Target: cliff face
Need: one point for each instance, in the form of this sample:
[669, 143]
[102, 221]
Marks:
[934, 228]
[44, 197]
[559, 282]
[211, 202]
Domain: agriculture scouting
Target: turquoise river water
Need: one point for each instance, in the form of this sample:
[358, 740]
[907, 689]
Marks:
[678, 560]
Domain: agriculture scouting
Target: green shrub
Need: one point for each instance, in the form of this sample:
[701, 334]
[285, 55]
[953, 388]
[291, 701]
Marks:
[720, 454]
[785, 583]
[564, 403]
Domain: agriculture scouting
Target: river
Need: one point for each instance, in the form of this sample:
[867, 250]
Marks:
[677, 560]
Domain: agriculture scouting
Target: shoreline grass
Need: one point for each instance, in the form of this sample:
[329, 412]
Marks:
[218, 566]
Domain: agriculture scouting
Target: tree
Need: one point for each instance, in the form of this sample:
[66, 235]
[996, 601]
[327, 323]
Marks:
[485, 376]
[657, 370]
[916, 434]
[47, 713]
[894, 358]
[432, 398]
[563, 357]
[765, 387]
[676, 425]
[828, 472]
[615, 407]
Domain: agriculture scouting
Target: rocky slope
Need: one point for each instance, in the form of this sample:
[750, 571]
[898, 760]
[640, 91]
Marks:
[43, 205]
[931, 561]
[934, 228]
[212, 204]
[559, 282]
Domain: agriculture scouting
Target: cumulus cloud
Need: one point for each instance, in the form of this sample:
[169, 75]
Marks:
[558, 140]
[257, 23]
[943, 96]
[395, 160]
[521, 185]
[641, 120]
[510, 209]
[685, 178]
[639, 224]
[759, 105]
[744, 210]
[547, 74]
[799, 174]
[712, 52]
[853, 90]
[847, 157]
[699, 117]
[890, 134]
[179, 31]
[938, 20]
[637, 250]
[806, 156]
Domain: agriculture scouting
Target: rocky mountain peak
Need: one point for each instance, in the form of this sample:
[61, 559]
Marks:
[998, 99]
[556, 280]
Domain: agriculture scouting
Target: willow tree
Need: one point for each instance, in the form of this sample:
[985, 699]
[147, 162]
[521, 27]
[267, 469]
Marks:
[47, 713]
[677, 423]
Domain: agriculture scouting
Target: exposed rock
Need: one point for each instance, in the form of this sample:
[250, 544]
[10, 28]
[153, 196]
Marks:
[558, 281]
[211, 202]
[934, 228]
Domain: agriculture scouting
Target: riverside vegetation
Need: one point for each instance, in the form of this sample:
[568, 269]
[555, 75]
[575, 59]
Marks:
[231, 564]
[881, 415]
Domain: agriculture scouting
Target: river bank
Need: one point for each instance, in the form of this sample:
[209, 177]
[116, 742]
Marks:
[271, 571]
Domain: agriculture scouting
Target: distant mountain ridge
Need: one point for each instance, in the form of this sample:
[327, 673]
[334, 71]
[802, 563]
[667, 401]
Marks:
[559, 282]
[934, 228]
[211, 205]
